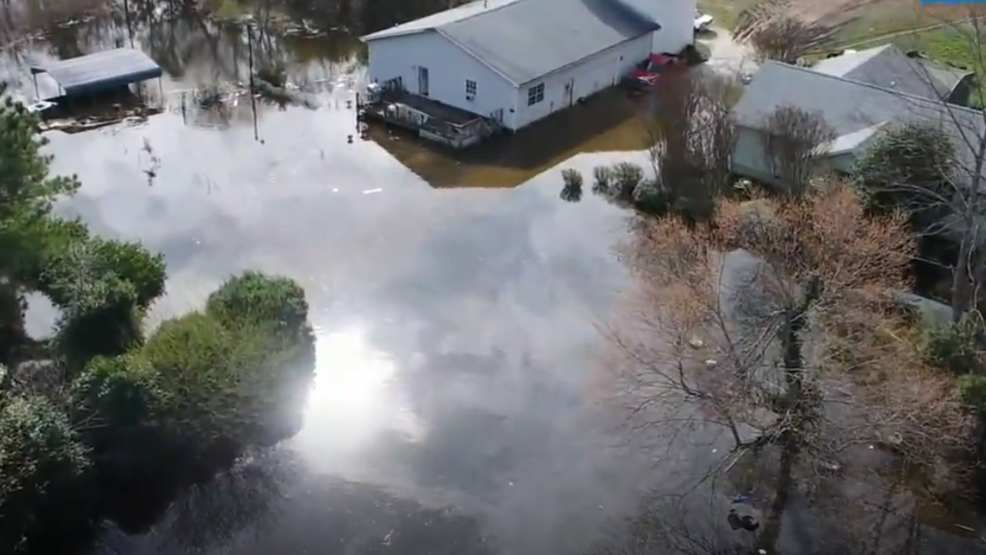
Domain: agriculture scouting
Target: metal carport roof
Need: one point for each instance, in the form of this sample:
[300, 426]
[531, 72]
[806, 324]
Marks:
[101, 71]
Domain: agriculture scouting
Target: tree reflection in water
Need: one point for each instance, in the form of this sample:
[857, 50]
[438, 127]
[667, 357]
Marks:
[258, 507]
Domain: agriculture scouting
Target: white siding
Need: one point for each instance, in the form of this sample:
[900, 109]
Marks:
[448, 69]
[589, 76]
[676, 18]
[748, 160]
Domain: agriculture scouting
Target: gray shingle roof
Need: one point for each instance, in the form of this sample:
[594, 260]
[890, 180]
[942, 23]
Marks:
[887, 66]
[524, 40]
[102, 70]
[851, 106]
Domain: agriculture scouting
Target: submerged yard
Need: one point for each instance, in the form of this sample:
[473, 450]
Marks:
[459, 404]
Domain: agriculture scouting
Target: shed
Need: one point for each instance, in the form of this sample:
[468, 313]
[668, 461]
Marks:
[101, 71]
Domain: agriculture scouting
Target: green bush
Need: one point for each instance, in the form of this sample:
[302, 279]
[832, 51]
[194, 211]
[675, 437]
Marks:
[101, 321]
[220, 385]
[973, 389]
[256, 298]
[196, 358]
[117, 403]
[907, 167]
[952, 346]
[270, 303]
[102, 288]
[46, 495]
[80, 261]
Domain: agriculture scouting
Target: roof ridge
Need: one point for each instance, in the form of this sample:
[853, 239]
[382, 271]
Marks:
[870, 86]
[499, 6]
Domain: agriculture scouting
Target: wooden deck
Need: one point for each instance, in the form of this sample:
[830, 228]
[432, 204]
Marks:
[431, 119]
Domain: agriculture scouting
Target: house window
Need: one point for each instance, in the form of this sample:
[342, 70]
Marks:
[535, 94]
[470, 89]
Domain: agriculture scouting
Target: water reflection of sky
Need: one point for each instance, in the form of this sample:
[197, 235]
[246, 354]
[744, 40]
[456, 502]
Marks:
[455, 327]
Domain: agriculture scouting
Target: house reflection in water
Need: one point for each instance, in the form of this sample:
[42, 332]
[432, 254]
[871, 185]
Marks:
[606, 122]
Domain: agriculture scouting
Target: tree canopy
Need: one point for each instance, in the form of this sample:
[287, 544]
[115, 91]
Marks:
[93, 415]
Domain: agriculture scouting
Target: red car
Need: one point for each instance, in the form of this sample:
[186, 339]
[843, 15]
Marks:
[649, 72]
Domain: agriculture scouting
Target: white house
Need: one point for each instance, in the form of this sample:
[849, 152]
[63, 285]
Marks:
[518, 61]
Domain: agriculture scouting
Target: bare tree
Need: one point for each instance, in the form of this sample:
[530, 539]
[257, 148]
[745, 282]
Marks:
[778, 30]
[691, 133]
[793, 139]
[790, 357]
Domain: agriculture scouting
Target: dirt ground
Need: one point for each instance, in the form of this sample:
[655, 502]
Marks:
[867, 13]
[837, 10]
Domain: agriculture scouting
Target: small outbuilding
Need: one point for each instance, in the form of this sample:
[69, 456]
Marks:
[518, 61]
[99, 72]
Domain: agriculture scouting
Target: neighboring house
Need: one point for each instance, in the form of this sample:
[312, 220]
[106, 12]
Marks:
[517, 61]
[855, 110]
[888, 67]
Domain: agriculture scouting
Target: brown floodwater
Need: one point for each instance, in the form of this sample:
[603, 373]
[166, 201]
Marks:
[455, 300]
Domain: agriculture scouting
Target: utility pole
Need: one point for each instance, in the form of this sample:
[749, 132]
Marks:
[253, 92]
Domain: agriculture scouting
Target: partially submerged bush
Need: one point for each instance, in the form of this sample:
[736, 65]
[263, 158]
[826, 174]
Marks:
[118, 403]
[572, 189]
[102, 288]
[652, 199]
[275, 305]
[617, 182]
[227, 374]
[201, 367]
[256, 298]
[45, 493]
[83, 260]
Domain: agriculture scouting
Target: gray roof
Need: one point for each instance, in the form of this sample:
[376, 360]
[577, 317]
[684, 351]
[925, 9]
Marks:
[524, 40]
[102, 70]
[887, 66]
[852, 106]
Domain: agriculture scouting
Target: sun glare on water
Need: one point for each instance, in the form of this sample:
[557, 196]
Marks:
[351, 400]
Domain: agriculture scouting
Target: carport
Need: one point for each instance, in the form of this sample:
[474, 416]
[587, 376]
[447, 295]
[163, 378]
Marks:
[99, 72]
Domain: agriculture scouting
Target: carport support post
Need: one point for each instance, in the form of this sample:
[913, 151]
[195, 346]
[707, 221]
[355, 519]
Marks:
[126, 14]
[37, 93]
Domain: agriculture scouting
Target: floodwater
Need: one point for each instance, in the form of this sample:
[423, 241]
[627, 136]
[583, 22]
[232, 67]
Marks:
[455, 301]
[455, 324]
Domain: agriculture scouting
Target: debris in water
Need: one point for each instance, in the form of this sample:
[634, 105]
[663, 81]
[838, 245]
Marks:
[372, 191]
